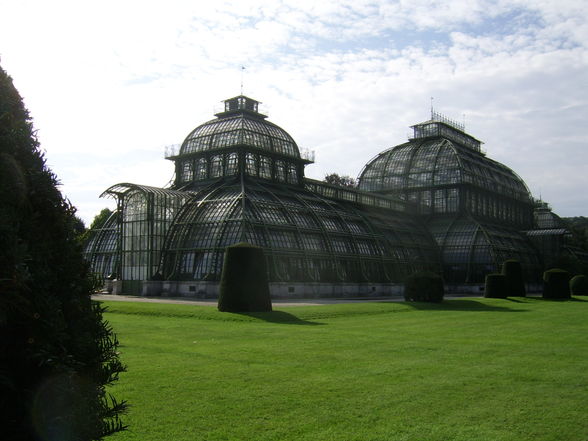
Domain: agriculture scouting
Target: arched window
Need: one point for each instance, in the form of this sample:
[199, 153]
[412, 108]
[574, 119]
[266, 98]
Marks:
[216, 166]
[232, 160]
[292, 174]
[251, 164]
[265, 170]
[280, 171]
[187, 172]
[200, 171]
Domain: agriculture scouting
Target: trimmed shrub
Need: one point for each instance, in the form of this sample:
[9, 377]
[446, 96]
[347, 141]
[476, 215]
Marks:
[579, 285]
[424, 286]
[495, 286]
[244, 285]
[515, 285]
[556, 284]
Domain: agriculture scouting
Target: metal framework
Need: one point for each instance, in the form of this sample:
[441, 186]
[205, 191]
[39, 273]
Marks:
[307, 238]
[475, 207]
[436, 202]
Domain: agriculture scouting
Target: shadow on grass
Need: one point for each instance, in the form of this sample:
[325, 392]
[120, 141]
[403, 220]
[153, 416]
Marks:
[571, 299]
[279, 317]
[463, 305]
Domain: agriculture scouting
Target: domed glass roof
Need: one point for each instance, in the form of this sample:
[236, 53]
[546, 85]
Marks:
[305, 237]
[240, 125]
[470, 249]
[436, 162]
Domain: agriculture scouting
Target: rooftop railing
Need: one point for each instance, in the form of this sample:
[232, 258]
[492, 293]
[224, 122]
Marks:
[171, 151]
[357, 196]
[307, 154]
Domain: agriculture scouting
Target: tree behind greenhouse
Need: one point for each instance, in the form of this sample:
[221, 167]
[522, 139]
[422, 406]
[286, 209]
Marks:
[340, 180]
[57, 354]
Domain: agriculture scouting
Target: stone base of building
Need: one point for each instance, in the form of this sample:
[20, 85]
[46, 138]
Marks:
[209, 290]
[469, 289]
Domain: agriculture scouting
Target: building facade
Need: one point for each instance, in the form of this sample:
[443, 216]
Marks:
[434, 203]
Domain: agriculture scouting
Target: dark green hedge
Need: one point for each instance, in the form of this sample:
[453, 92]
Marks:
[58, 357]
[495, 286]
[579, 285]
[556, 284]
[244, 285]
[424, 287]
[515, 284]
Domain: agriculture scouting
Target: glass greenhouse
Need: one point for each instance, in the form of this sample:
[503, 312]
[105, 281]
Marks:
[434, 203]
[476, 208]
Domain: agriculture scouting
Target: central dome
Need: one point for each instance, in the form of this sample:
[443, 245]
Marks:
[240, 125]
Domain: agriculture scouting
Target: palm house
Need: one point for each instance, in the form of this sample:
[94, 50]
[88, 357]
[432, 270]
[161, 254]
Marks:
[477, 209]
[436, 202]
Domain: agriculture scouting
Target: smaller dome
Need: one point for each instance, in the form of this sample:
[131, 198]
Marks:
[547, 219]
[436, 162]
[240, 125]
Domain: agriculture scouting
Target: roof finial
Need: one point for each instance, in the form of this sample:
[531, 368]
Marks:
[242, 70]
[432, 108]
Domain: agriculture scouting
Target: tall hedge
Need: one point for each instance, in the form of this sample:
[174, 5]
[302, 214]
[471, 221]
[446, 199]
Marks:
[424, 286]
[495, 286]
[244, 285]
[556, 284]
[579, 285]
[515, 284]
[57, 355]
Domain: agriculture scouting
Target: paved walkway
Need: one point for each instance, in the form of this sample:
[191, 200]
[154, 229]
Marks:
[280, 302]
[214, 302]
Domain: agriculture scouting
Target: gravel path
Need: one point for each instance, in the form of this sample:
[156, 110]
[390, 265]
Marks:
[214, 302]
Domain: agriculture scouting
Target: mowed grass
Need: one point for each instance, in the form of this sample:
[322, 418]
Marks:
[467, 369]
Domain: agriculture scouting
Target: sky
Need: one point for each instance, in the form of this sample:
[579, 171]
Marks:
[109, 84]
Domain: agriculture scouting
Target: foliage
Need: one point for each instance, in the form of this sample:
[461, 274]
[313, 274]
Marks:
[495, 286]
[579, 285]
[424, 286]
[97, 223]
[57, 354]
[340, 180]
[556, 284]
[457, 370]
[244, 285]
[515, 284]
[101, 218]
[579, 229]
[570, 263]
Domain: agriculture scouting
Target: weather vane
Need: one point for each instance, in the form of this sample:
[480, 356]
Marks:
[242, 70]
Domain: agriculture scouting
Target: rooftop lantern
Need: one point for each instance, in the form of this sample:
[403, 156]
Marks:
[440, 125]
[239, 104]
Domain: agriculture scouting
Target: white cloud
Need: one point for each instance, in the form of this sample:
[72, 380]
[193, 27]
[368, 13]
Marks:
[110, 80]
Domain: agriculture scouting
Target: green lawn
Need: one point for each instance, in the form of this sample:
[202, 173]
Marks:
[469, 369]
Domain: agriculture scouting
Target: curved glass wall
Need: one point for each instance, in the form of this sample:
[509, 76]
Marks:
[242, 130]
[239, 141]
[471, 249]
[442, 177]
[226, 164]
[306, 238]
[141, 227]
[546, 219]
[101, 249]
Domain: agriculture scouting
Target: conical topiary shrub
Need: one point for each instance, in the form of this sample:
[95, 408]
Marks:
[424, 286]
[556, 284]
[515, 284]
[244, 285]
[495, 286]
[579, 285]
